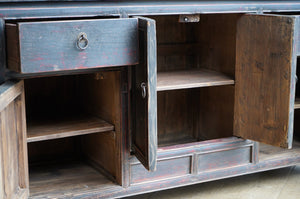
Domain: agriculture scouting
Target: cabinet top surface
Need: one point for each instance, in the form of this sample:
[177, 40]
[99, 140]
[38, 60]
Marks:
[55, 8]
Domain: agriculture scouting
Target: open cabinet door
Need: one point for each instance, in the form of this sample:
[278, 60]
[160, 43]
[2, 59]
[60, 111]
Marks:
[144, 97]
[265, 79]
[13, 148]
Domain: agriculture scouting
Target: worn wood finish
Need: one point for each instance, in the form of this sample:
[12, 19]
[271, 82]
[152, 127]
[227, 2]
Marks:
[2, 52]
[265, 80]
[106, 189]
[66, 127]
[191, 79]
[49, 151]
[68, 106]
[216, 112]
[195, 158]
[67, 180]
[167, 168]
[217, 34]
[34, 47]
[117, 8]
[13, 149]
[144, 97]
[177, 118]
[100, 96]
[184, 49]
[297, 34]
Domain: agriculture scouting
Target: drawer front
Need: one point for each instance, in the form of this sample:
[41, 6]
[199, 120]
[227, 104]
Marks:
[165, 169]
[194, 159]
[35, 47]
[223, 159]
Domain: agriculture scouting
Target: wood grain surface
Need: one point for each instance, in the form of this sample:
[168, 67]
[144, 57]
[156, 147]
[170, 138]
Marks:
[13, 148]
[183, 79]
[34, 47]
[264, 79]
[65, 127]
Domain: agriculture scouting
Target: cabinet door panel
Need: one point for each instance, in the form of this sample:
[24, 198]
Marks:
[13, 150]
[144, 99]
[265, 79]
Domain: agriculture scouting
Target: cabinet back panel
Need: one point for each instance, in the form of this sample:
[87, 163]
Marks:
[209, 43]
[216, 106]
[177, 116]
[195, 114]
[174, 41]
[52, 151]
[217, 36]
[51, 96]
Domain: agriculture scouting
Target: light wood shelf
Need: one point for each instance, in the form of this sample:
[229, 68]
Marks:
[68, 179]
[191, 79]
[47, 129]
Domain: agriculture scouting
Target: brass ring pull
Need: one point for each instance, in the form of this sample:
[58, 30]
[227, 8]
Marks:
[82, 41]
[144, 91]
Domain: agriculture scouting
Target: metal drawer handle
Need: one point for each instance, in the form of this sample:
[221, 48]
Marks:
[144, 91]
[82, 41]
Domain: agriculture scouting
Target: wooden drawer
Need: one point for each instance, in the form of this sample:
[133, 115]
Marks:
[36, 47]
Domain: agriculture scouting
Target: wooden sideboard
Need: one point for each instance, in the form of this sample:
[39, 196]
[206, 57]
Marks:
[106, 99]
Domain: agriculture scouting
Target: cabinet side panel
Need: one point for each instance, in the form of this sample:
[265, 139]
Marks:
[101, 98]
[14, 172]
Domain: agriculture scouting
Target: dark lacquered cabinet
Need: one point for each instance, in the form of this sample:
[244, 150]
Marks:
[111, 99]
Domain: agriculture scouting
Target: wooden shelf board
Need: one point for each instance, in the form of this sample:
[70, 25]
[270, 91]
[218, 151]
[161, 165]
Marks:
[191, 79]
[297, 103]
[173, 139]
[39, 130]
[68, 180]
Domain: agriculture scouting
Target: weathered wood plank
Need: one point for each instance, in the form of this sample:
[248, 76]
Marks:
[13, 149]
[9, 91]
[61, 127]
[35, 47]
[67, 180]
[63, 9]
[144, 101]
[191, 79]
[265, 79]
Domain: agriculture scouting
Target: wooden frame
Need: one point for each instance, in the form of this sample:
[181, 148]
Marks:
[210, 66]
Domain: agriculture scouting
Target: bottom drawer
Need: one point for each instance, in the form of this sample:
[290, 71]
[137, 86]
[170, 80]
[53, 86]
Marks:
[195, 158]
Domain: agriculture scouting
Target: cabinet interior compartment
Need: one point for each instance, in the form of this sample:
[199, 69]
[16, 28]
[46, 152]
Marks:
[73, 127]
[195, 78]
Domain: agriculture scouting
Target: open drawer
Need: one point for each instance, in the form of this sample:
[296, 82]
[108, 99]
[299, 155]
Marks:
[45, 46]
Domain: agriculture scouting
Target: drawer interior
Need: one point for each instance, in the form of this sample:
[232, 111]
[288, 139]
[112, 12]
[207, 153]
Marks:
[73, 126]
[195, 78]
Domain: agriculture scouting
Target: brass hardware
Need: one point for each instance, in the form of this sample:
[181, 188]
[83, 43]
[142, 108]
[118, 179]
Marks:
[189, 18]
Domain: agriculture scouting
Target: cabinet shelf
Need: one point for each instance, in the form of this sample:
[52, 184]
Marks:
[191, 79]
[297, 103]
[68, 179]
[47, 129]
